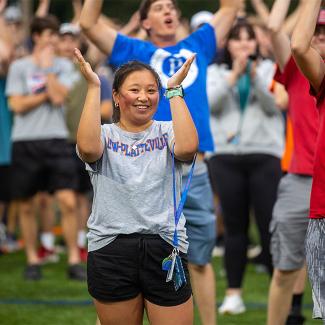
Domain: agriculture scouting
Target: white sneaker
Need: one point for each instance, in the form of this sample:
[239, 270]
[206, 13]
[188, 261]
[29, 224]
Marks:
[232, 305]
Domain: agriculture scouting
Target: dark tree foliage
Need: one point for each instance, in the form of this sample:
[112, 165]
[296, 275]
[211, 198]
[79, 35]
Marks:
[122, 9]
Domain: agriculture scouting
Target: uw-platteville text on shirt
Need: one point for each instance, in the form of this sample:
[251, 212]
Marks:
[304, 117]
[317, 197]
[132, 184]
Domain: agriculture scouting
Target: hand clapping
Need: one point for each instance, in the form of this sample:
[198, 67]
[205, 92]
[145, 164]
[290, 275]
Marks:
[86, 70]
[181, 74]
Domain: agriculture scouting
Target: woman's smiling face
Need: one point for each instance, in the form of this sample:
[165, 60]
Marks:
[138, 97]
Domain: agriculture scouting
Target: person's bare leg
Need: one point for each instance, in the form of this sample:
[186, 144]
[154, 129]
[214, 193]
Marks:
[68, 207]
[12, 217]
[28, 226]
[46, 211]
[280, 296]
[83, 215]
[204, 291]
[300, 282]
[233, 291]
[128, 312]
[2, 210]
[295, 313]
[180, 314]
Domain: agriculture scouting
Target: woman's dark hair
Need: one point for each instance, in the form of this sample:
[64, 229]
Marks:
[234, 34]
[122, 73]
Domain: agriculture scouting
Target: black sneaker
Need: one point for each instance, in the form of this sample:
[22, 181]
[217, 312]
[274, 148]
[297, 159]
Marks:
[77, 272]
[295, 319]
[33, 272]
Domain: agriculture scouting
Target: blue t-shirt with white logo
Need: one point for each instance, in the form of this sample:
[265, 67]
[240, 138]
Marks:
[166, 61]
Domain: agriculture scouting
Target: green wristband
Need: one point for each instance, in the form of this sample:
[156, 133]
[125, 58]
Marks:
[175, 91]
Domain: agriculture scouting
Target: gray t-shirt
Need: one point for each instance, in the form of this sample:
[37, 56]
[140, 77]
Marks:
[45, 121]
[132, 184]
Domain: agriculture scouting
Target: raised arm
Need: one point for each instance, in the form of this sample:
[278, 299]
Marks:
[280, 40]
[7, 42]
[43, 8]
[291, 21]
[102, 35]
[132, 25]
[89, 142]
[308, 59]
[77, 7]
[261, 9]
[223, 19]
[5, 56]
[186, 138]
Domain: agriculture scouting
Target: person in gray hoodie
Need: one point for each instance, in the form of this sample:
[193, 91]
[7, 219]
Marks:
[248, 132]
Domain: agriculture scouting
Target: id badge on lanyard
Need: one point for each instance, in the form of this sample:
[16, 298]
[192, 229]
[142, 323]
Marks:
[173, 263]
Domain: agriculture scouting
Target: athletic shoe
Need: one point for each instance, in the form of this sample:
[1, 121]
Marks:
[253, 251]
[295, 319]
[83, 254]
[77, 272]
[47, 255]
[33, 272]
[10, 245]
[218, 251]
[232, 305]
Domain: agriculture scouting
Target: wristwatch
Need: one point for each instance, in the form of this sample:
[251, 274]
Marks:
[174, 91]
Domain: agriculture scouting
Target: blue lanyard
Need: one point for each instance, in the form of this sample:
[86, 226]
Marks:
[178, 211]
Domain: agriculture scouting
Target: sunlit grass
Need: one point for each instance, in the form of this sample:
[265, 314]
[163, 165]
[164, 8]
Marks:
[57, 300]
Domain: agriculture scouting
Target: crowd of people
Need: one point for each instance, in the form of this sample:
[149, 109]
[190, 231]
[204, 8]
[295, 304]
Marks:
[144, 138]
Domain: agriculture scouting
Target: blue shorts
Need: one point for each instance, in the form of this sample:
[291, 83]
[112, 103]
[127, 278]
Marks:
[202, 239]
[200, 220]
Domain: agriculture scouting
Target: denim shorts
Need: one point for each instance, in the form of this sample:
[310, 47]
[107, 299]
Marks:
[132, 265]
[200, 220]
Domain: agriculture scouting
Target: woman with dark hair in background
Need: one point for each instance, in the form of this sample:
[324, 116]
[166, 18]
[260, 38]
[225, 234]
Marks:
[245, 169]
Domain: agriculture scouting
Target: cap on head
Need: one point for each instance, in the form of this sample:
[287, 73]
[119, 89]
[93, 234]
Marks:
[69, 29]
[13, 14]
[200, 18]
[321, 17]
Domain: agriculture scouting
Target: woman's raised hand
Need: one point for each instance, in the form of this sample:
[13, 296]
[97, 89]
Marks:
[181, 74]
[86, 70]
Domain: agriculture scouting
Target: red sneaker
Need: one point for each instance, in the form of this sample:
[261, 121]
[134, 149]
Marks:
[83, 254]
[47, 255]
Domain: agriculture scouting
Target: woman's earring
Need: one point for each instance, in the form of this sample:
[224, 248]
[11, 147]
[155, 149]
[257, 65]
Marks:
[117, 105]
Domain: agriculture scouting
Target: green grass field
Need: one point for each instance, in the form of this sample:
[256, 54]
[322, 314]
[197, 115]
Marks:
[57, 301]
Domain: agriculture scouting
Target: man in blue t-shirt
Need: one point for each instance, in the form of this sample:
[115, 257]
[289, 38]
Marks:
[160, 19]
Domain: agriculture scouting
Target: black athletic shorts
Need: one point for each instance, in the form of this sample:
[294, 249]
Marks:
[84, 184]
[42, 165]
[132, 265]
[5, 180]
